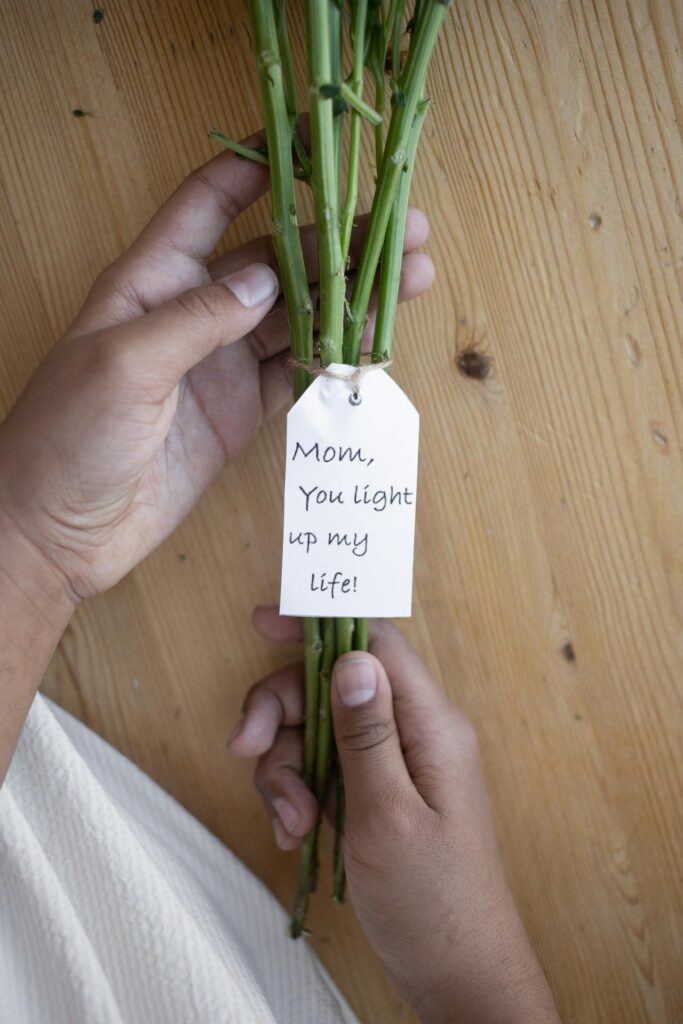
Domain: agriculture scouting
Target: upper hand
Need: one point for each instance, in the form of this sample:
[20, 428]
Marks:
[422, 863]
[167, 371]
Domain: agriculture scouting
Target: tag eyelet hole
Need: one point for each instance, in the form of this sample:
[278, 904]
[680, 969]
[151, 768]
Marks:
[355, 398]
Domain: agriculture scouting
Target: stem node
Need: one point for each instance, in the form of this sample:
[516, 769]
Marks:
[267, 59]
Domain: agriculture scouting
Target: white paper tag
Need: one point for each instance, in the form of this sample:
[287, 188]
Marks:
[350, 489]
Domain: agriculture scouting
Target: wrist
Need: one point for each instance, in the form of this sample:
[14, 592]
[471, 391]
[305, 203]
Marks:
[31, 583]
[496, 977]
[35, 608]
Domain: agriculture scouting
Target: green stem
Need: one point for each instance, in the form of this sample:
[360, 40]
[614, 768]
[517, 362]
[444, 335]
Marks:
[394, 16]
[411, 85]
[339, 871]
[308, 864]
[382, 34]
[344, 631]
[344, 635]
[249, 153]
[312, 653]
[324, 744]
[360, 636]
[360, 14]
[359, 106]
[396, 41]
[336, 44]
[351, 200]
[289, 80]
[322, 723]
[324, 183]
[417, 14]
[378, 76]
[392, 250]
[286, 241]
[290, 91]
[306, 170]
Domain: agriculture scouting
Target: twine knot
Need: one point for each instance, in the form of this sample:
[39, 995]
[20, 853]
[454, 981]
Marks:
[355, 377]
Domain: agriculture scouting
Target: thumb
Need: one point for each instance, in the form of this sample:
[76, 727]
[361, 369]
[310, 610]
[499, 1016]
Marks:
[368, 743]
[161, 346]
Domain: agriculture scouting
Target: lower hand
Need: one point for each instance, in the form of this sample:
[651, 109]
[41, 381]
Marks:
[423, 869]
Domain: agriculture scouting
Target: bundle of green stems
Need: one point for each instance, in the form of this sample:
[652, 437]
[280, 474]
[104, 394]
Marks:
[373, 32]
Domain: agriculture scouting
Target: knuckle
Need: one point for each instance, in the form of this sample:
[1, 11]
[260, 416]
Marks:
[284, 366]
[115, 291]
[394, 820]
[113, 359]
[460, 748]
[362, 851]
[367, 733]
[262, 689]
[202, 305]
[252, 694]
[105, 282]
[466, 735]
[227, 203]
[287, 750]
[398, 815]
[108, 281]
[261, 778]
[431, 768]
[276, 765]
[261, 336]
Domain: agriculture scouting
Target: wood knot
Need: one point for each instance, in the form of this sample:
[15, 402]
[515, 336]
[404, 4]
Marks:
[474, 363]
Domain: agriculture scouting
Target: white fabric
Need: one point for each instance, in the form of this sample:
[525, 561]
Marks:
[117, 907]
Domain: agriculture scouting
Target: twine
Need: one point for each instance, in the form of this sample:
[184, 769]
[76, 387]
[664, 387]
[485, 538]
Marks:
[354, 378]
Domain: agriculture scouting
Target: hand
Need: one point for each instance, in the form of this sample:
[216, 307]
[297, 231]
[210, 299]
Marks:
[423, 869]
[167, 371]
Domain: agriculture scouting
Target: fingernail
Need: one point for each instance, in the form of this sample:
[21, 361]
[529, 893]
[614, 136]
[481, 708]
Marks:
[287, 813]
[282, 836]
[355, 680]
[253, 285]
[237, 729]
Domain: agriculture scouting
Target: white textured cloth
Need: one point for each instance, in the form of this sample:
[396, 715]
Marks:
[118, 907]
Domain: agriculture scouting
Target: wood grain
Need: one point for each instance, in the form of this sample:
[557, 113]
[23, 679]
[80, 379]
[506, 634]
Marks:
[550, 548]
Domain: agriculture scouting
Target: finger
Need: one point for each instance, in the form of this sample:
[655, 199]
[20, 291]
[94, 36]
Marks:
[434, 733]
[417, 274]
[288, 800]
[279, 629]
[367, 738]
[437, 739]
[260, 250]
[156, 350]
[272, 335]
[169, 255]
[276, 383]
[271, 703]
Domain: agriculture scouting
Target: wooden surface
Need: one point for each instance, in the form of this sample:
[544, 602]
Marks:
[549, 540]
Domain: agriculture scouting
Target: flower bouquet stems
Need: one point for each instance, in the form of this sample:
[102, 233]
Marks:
[374, 31]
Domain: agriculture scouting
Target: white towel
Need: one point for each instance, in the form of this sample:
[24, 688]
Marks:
[118, 907]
